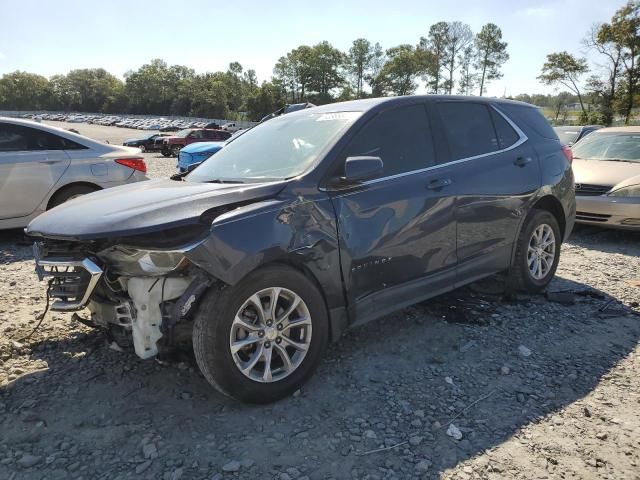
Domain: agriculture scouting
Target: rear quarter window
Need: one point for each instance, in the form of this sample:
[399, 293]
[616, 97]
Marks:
[531, 117]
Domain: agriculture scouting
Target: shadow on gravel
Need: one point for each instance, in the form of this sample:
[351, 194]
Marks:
[14, 246]
[604, 239]
[381, 402]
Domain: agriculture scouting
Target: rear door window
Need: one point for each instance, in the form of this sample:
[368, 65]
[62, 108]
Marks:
[12, 139]
[507, 136]
[469, 129]
[21, 138]
[400, 137]
[531, 117]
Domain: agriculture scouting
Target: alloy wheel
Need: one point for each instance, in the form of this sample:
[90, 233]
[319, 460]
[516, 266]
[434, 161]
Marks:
[541, 252]
[270, 335]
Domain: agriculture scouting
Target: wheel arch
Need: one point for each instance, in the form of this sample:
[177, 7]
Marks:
[66, 186]
[552, 205]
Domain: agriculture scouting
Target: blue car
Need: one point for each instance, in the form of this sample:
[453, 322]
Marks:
[196, 153]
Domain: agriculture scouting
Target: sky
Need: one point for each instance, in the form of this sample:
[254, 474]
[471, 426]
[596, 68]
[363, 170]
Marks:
[54, 36]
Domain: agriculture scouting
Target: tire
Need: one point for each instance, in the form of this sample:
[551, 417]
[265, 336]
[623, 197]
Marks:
[215, 328]
[175, 150]
[142, 148]
[69, 193]
[524, 270]
[166, 152]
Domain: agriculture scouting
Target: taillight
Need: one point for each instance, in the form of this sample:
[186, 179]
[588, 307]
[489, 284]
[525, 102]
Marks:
[567, 153]
[137, 163]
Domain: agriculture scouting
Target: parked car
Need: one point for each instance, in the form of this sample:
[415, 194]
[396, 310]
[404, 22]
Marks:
[231, 127]
[171, 145]
[43, 166]
[196, 153]
[147, 143]
[170, 128]
[607, 171]
[313, 222]
[571, 135]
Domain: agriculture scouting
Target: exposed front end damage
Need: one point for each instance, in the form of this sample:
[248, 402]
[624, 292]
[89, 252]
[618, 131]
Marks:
[138, 296]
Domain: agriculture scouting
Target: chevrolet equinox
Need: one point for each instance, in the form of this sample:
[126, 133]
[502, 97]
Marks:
[311, 223]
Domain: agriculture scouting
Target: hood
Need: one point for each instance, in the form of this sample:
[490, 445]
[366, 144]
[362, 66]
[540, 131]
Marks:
[203, 147]
[603, 172]
[143, 207]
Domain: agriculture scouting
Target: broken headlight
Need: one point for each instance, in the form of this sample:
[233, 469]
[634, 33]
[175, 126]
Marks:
[133, 262]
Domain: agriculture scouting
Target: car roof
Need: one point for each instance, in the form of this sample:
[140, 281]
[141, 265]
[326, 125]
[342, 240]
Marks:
[371, 103]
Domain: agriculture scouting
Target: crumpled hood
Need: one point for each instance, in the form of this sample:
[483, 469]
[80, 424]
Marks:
[143, 207]
[603, 172]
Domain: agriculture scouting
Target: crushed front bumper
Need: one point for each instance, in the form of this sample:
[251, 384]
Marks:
[611, 212]
[71, 280]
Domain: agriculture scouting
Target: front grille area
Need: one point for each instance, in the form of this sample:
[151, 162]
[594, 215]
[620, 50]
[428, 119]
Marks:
[592, 217]
[587, 190]
[71, 280]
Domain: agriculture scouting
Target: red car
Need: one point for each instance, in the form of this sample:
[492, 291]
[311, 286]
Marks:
[171, 145]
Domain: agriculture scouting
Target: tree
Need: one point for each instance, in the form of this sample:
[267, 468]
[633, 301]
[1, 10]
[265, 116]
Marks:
[264, 100]
[359, 58]
[625, 31]
[565, 69]
[435, 43]
[24, 91]
[459, 36]
[374, 71]
[468, 77]
[491, 54]
[325, 65]
[398, 76]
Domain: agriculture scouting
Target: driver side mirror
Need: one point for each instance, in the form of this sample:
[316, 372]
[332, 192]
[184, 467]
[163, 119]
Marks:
[360, 169]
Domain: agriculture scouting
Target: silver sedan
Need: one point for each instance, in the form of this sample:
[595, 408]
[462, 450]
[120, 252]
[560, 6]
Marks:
[43, 166]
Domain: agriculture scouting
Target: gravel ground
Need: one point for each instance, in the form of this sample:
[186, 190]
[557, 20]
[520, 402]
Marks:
[464, 386]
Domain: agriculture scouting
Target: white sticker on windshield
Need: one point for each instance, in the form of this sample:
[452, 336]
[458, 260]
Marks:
[325, 117]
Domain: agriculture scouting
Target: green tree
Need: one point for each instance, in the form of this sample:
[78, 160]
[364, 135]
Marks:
[435, 43]
[326, 64]
[264, 100]
[468, 77]
[624, 30]
[403, 67]
[374, 70]
[601, 40]
[24, 91]
[491, 54]
[565, 69]
[359, 59]
[459, 36]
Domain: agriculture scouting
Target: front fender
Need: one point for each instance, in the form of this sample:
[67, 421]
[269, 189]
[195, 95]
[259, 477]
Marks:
[299, 232]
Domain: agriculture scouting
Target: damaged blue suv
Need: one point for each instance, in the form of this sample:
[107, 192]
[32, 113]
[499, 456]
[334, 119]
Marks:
[311, 223]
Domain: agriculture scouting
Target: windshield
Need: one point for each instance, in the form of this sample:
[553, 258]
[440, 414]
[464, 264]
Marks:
[183, 133]
[280, 148]
[609, 146]
[567, 135]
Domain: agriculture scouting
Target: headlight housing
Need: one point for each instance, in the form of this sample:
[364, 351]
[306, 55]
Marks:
[630, 191]
[133, 262]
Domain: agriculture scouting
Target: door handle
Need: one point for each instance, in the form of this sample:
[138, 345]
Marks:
[439, 183]
[50, 162]
[522, 161]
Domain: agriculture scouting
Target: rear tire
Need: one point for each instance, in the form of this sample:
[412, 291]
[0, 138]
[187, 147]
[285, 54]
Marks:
[241, 372]
[175, 150]
[537, 252]
[166, 152]
[69, 193]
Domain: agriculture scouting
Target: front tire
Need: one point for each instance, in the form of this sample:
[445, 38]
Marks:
[537, 252]
[261, 339]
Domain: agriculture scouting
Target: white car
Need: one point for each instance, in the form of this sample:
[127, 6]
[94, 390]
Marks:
[43, 166]
[231, 127]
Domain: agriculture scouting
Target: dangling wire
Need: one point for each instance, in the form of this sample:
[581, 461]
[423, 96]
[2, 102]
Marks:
[40, 317]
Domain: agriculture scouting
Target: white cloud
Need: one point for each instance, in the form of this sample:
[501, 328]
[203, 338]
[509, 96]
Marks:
[536, 12]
